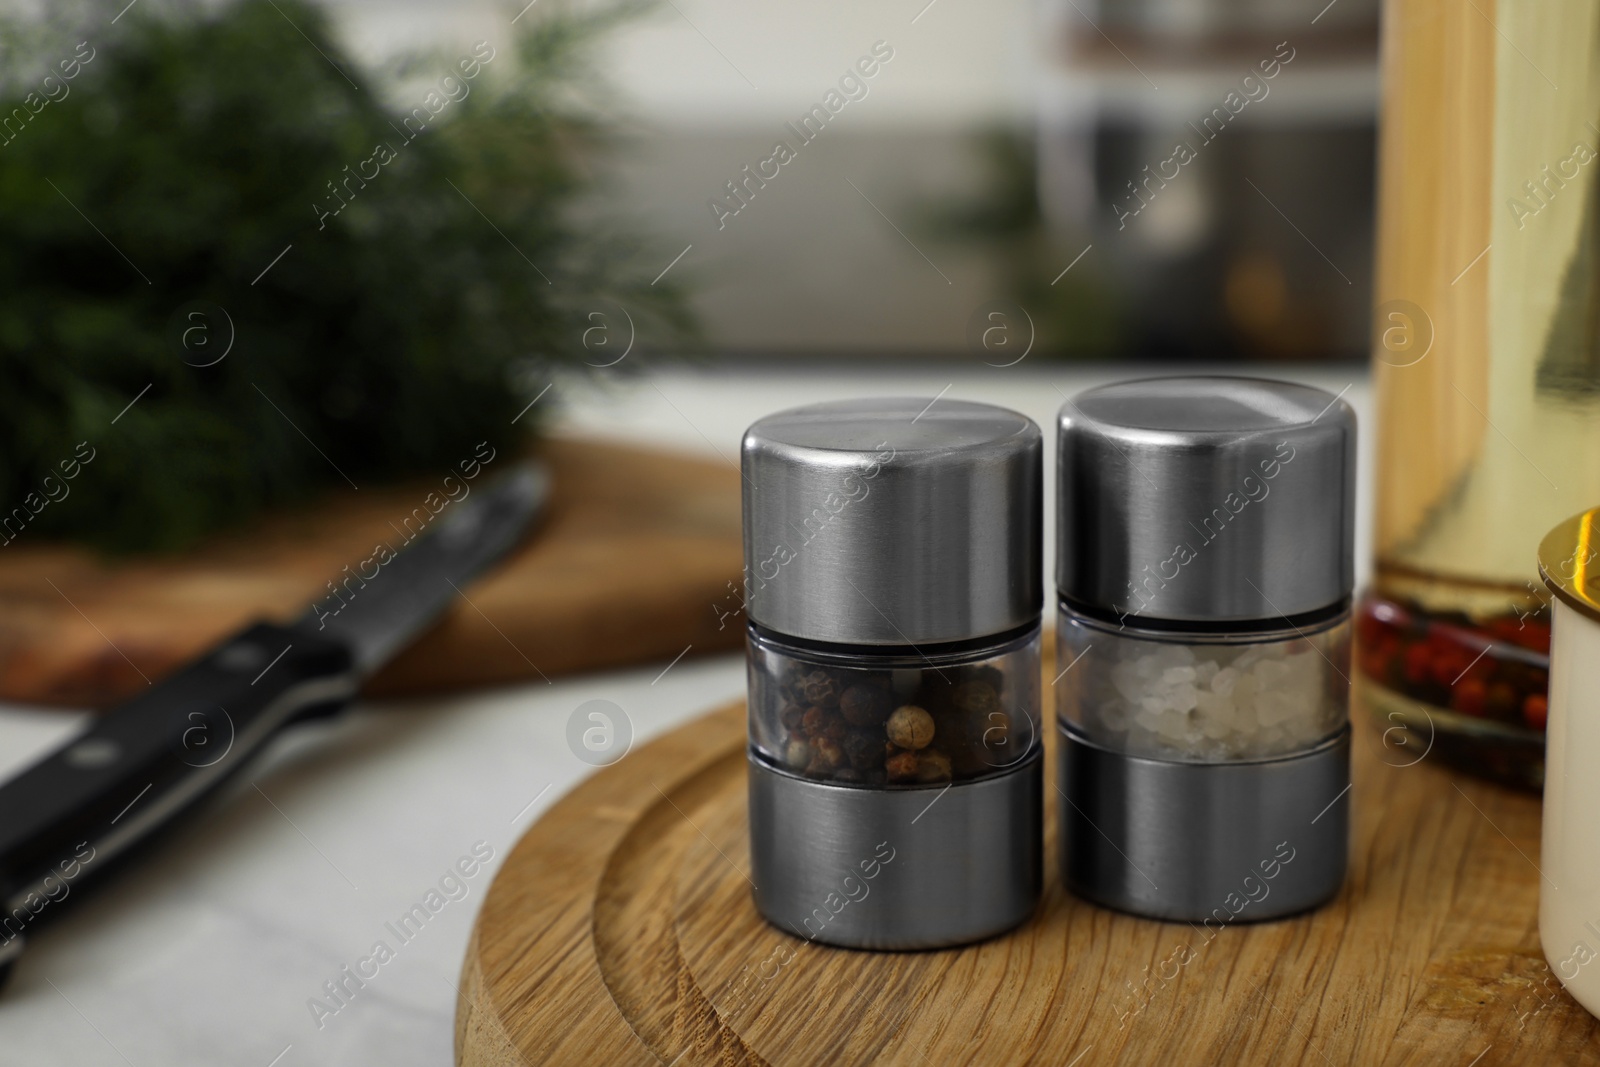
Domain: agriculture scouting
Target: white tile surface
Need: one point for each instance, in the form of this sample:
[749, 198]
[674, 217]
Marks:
[208, 952]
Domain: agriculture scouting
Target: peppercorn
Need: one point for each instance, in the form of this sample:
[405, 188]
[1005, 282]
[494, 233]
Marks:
[822, 689]
[797, 754]
[1503, 703]
[1417, 664]
[1469, 696]
[863, 750]
[910, 727]
[975, 698]
[813, 721]
[902, 767]
[933, 766]
[865, 704]
[826, 757]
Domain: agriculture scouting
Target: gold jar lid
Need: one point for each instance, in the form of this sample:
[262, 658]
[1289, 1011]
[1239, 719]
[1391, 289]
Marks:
[1569, 562]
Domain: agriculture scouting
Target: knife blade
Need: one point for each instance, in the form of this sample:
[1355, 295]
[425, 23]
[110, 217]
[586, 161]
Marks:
[68, 819]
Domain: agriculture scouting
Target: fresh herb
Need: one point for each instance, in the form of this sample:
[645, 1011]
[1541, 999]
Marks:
[299, 274]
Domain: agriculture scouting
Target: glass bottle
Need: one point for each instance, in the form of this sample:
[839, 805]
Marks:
[1486, 363]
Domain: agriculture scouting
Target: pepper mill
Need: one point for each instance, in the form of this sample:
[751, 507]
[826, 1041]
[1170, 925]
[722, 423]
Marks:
[893, 591]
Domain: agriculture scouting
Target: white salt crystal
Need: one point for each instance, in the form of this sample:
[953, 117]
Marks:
[1249, 658]
[1244, 718]
[1212, 702]
[1177, 675]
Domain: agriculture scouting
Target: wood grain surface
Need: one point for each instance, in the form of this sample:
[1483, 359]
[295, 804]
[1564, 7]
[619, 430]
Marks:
[631, 564]
[620, 930]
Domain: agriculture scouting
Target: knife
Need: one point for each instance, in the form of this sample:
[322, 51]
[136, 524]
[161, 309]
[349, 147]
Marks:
[67, 820]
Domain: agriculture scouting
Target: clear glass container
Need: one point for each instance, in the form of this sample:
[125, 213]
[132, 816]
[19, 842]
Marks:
[1486, 367]
[1199, 697]
[878, 719]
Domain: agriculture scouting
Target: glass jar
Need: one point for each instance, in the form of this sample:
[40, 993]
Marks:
[1485, 367]
[1470, 690]
[894, 719]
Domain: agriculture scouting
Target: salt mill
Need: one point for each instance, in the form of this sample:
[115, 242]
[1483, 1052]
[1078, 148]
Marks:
[1205, 559]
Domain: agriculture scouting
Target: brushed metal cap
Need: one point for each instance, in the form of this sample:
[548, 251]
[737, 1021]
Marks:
[893, 521]
[1206, 499]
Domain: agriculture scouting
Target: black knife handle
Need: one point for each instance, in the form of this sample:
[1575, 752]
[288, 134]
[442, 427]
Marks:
[148, 760]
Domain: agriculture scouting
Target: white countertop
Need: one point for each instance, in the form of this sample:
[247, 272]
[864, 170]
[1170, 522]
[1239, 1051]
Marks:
[209, 951]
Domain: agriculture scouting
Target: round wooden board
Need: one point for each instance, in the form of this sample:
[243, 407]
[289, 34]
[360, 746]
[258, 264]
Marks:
[621, 930]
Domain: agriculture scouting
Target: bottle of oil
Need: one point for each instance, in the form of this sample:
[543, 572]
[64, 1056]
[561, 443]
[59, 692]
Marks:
[1487, 362]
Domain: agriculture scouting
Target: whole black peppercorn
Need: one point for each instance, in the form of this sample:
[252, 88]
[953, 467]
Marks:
[863, 750]
[975, 698]
[866, 704]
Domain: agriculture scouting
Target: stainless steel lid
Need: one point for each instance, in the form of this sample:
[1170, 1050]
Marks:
[893, 521]
[1206, 499]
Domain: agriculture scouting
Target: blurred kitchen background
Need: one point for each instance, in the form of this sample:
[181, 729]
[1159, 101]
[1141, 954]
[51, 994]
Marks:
[1074, 190]
[979, 194]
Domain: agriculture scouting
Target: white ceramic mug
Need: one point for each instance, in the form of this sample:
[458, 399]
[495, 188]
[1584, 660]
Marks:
[1569, 891]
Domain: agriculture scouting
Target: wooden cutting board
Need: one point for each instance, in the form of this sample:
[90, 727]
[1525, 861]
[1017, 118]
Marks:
[620, 930]
[632, 563]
